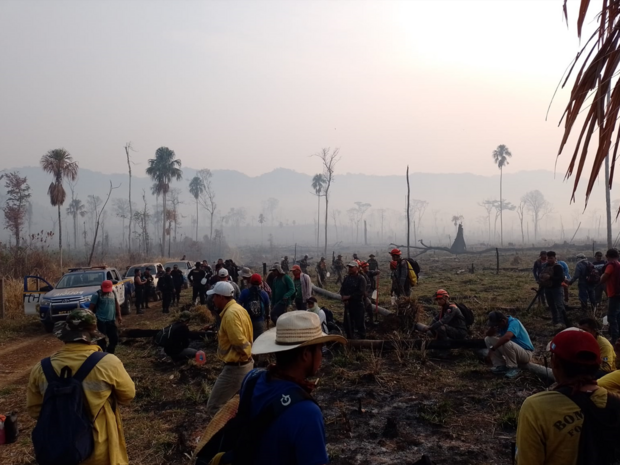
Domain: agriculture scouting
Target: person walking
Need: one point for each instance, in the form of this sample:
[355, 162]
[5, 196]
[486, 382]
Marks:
[104, 305]
[587, 278]
[321, 272]
[282, 290]
[178, 280]
[165, 285]
[105, 383]
[139, 290]
[197, 277]
[552, 278]
[353, 292]
[611, 278]
[234, 345]
[339, 267]
[303, 263]
[303, 287]
[539, 265]
[284, 264]
[149, 286]
[256, 303]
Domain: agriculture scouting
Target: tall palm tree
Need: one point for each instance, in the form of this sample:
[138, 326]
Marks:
[500, 158]
[60, 164]
[196, 188]
[163, 169]
[76, 208]
[318, 184]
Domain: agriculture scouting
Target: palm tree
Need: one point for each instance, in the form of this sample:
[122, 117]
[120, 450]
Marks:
[163, 169]
[318, 184]
[77, 208]
[60, 164]
[196, 188]
[500, 157]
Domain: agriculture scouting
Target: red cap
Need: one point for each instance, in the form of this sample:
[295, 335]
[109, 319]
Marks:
[256, 279]
[395, 252]
[296, 268]
[576, 347]
[107, 286]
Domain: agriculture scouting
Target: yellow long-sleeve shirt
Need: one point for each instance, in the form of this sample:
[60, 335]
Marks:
[107, 385]
[235, 335]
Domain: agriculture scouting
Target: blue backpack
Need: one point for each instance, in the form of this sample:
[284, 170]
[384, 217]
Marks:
[64, 432]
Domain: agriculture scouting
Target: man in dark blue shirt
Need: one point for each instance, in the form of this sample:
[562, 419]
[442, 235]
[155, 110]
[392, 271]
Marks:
[297, 435]
[256, 302]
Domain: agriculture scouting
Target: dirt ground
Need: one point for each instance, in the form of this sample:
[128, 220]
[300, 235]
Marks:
[379, 408]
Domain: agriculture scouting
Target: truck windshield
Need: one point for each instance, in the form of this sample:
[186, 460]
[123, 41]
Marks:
[181, 265]
[132, 271]
[82, 279]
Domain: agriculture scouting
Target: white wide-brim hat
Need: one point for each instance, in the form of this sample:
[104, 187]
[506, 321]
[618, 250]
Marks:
[294, 329]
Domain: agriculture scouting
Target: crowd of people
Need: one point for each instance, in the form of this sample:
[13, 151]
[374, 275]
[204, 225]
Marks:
[583, 361]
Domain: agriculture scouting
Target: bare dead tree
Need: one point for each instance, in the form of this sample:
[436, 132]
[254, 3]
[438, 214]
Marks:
[538, 206]
[408, 214]
[330, 159]
[521, 214]
[98, 219]
[207, 197]
[128, 147]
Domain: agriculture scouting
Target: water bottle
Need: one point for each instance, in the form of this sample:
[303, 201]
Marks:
[201, 358]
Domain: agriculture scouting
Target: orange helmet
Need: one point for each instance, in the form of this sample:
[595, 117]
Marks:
[393, 265]
[395, 252]
[441, 293]
[363, 264]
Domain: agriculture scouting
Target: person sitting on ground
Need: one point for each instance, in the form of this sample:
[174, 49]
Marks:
[177, 343]
[608, 355]
[551, 422]
[512, 348]
[552, 278]
[611, 278]
[449, 323]
[303, 287]
[104, 305]
[313, 307]
[256, 302]
[283, 291]
[106, 386]
[585, 285]
[297, 435]
[234, 345]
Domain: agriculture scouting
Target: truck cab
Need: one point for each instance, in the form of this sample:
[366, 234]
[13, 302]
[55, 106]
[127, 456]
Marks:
[74, 290]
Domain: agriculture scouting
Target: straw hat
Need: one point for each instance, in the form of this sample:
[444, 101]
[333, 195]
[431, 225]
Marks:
[294, 329]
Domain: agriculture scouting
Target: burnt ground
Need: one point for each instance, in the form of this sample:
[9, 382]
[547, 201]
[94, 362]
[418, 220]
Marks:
[379, 407]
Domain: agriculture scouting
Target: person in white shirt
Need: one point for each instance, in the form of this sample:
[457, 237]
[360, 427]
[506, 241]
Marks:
[313, 307]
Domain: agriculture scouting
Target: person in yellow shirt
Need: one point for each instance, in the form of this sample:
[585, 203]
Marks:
[106, 386]
[550, 422]
[608, 355]
[234, 345]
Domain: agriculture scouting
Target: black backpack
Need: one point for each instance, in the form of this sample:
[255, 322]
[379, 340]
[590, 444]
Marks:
[163, 336]
[254, 306]
[467, 314]
[64, 431]
[415, 265]
[598, 441]
[240, 436]
[592, 275]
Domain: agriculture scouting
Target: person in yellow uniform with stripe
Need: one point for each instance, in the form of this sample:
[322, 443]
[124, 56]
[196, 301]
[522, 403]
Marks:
[608, 355]
[234, 346]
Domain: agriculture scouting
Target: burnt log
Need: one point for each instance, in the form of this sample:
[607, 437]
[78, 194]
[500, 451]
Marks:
[334, 296]
[145, 333]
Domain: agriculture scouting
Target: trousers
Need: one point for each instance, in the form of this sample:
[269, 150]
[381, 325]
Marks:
[108, 329]
[510, 354]
[613, 312]
[555, 299]
[227, 385]
[354, 320]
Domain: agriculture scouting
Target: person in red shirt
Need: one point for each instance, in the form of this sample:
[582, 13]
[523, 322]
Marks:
[611, 278]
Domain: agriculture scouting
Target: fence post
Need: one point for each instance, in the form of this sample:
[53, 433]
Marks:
[2, 297]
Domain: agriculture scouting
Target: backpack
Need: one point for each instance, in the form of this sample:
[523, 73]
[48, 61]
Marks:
[412, 275]
[255, 305]
[64, 431]
[592, 275]
[598, 440]
[240, 437]
[415, 265]
[163, 336]
[467, 314]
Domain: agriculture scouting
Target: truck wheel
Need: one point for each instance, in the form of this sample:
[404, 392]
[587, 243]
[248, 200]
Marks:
[126, 307]
[48, 326]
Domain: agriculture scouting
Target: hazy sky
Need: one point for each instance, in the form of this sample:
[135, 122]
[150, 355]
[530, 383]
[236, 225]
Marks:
[258, 85]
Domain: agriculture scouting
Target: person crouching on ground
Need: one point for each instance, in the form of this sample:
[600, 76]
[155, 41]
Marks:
[104, 305]
[313, 307]
[177, 346]
[165, 285]
[297, 435]
[234, 345]
[512, 348]
[449, 323]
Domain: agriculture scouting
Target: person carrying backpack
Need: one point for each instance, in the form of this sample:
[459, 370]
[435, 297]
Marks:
[587, 277]
[403, 277]
[104, 305]
[78, 385]
[278, 421]
[577, 421]
[449, 323]
[256, 302]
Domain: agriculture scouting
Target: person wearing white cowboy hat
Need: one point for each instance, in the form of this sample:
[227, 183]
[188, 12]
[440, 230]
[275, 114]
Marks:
[298, 432]
[245, 275]
[223, 275]
[234, 345]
